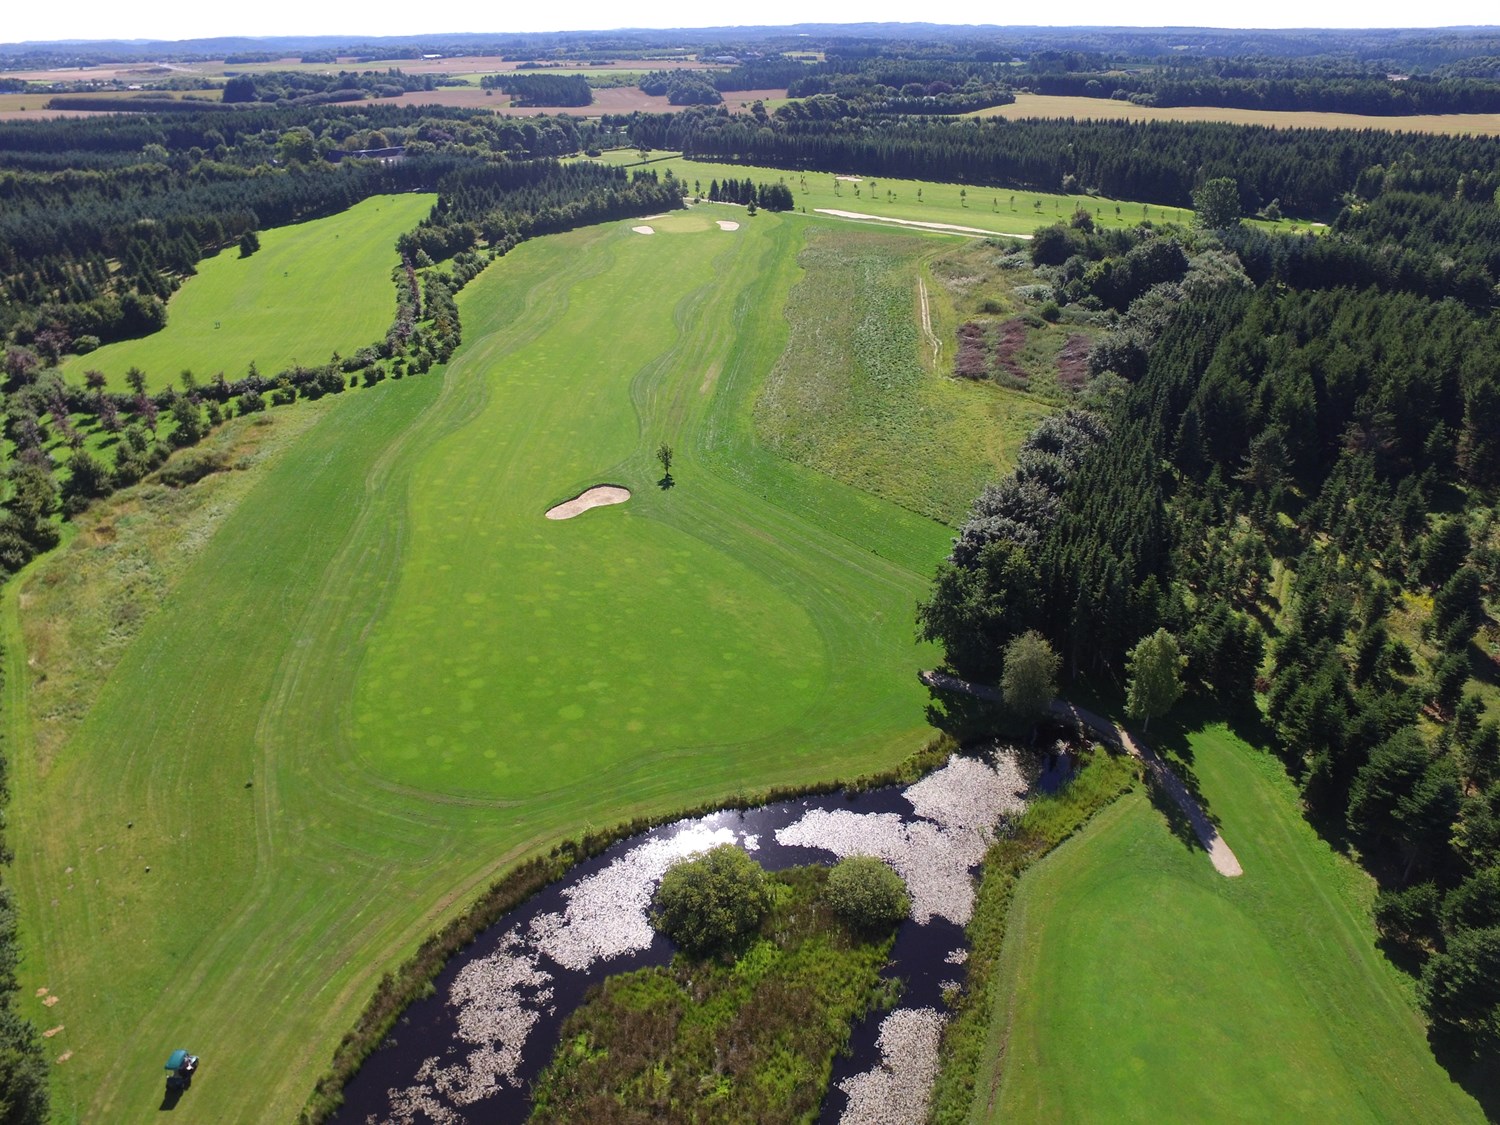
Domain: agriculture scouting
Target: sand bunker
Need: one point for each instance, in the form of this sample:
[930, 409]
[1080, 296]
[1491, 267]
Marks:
[597, 497]
[725, 224]
[643, 230]
[850, 179]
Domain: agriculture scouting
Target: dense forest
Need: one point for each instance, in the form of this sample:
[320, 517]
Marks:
[1311, 173]
[1294, 473]
[103, 217]
[541, 89]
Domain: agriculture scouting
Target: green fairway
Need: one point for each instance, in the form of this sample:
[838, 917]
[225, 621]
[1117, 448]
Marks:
[381, 676]
[312, 289]
[996, 210]
[1136, 984]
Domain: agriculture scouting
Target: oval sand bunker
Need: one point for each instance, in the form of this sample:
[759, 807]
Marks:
[726, 224]
[597, 497]
[643, 230]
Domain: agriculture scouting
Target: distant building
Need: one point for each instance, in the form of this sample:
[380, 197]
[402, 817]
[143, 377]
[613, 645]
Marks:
[384, 155]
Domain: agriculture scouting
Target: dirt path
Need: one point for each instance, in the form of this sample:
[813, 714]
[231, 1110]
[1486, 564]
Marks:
[1224, 860]
[919, 224]
[937, 345]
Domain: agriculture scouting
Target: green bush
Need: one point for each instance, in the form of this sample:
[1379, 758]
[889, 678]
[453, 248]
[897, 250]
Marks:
[712, 903]
[867, 894]
[191, 468]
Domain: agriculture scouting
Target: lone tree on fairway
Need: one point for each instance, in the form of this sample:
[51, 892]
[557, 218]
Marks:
[1155, 670]
[664, 455]
[1217, 203]
[1029, 680]
[712, 903]
[249, 243]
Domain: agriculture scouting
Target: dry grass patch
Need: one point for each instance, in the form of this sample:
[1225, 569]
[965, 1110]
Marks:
[86, 602]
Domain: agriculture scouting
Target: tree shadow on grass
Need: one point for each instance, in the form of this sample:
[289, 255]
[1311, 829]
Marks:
[1478, 1073]
[1405, 957]
[1177, 820]
[666, 482]
[962, 717]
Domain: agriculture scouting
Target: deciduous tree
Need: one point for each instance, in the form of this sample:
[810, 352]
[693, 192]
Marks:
[1029, 680]
[1155, 670]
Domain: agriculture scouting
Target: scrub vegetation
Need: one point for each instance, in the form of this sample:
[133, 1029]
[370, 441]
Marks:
[747, 1038]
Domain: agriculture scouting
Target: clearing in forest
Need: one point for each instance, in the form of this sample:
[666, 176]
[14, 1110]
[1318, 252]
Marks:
[310, 290]
[1000, 210]
[860, 394]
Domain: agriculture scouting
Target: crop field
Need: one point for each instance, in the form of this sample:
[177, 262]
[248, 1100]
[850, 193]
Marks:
[1107, 109]
[312, 289]
[997, 211]
[1139, 985]
[280, 728]
[19, 107]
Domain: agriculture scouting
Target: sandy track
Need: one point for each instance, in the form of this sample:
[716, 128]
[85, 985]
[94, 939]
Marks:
[918, 223]
[937, 345]
[597, 497]
[1225, 862]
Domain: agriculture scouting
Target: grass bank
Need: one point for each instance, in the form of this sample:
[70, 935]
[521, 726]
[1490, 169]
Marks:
[751, 1039]
[1136, 984]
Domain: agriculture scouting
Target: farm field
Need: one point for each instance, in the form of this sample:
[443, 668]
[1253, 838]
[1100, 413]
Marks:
[312, 289]
[989, 210]
[458, 64]
[367, 675]
[20, 106]
[1138, 985]
[1107, 109]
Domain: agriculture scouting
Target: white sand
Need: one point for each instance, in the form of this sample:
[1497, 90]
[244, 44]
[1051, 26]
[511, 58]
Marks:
[643, 230]
[915, 223]
[725, 224]
[895, 1090]
[497, 1000]
[850, 179]
[958, 806]
[597, 497]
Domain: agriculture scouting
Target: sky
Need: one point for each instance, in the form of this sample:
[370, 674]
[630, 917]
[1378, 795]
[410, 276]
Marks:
[190, 19]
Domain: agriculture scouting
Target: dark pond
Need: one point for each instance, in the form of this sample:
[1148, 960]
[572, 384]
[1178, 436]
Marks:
[453, 1057]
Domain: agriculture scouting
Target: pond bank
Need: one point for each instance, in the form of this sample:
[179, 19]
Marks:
[493, 1021]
